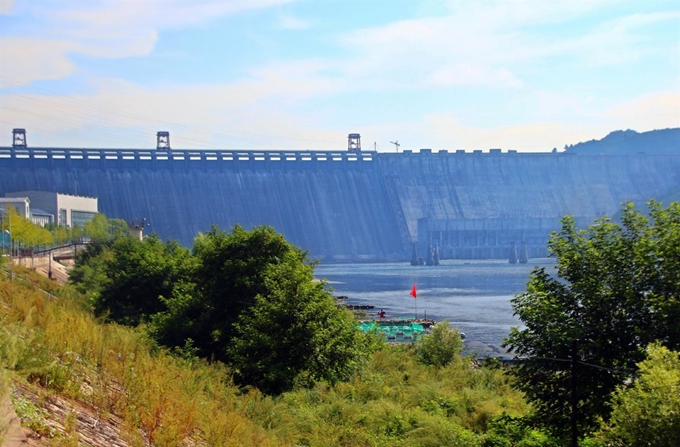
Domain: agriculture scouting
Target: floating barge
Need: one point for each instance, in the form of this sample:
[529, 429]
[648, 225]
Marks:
[403, 331]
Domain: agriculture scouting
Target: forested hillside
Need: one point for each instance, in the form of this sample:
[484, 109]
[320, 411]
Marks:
[631, 142]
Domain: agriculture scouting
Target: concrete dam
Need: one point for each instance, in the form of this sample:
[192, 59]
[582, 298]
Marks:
[352, 206]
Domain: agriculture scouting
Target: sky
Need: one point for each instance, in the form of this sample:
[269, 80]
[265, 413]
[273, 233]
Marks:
[529, 75]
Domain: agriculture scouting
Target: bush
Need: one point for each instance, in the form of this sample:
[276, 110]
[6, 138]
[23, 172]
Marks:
[648, 413]
[441, 347]
[508, 431]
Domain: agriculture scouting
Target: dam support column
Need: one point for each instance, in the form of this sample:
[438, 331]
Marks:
[513, 254]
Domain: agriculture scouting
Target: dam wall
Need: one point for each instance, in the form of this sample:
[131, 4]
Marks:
[514, 197]
[329, 203]
[350, 206]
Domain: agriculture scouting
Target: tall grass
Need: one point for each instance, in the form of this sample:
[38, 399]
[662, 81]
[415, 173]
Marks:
[167, 400]
[398, 402]
[4, 390]
[162, 399]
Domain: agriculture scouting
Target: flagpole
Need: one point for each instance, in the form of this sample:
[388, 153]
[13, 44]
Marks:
[415, 297]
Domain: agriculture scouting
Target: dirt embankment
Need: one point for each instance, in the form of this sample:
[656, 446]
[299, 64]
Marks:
[61, 419]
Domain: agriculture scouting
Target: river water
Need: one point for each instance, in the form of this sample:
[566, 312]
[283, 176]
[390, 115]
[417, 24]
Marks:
[473, 295]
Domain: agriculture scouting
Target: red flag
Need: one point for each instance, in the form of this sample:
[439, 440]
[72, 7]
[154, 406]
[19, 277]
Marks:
[413, 291]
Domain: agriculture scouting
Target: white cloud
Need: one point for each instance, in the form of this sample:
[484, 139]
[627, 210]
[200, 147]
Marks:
[541, 136]
[254, 113]
[448, 131]
[155, 14]
[135, 43]
[455, 50]
[501, 13]
[105, 29]
[297, 80]
[466, 74]
[619, 40]
[293, 23]
[6, 6]
[648, 112]
[26, 59]
[491, 43]
[565, 104]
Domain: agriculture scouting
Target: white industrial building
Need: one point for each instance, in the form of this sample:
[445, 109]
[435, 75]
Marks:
[22, 205]
[45, 208]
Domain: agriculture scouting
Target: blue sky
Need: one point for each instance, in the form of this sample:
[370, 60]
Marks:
[528, 75]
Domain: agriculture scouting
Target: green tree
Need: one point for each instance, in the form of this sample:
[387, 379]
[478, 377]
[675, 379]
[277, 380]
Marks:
[24, 231]
[117, 228]
[60, 233]
[127, 278]
[441, 347]
[89, 275]
[230, 273]
[96, 229]
[294, 334]
[617, 289]
[255, 304]
[101, 229]
[648, 413]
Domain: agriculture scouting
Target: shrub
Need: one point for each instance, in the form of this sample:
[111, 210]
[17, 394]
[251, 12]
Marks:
[648, 413]
[441, 347]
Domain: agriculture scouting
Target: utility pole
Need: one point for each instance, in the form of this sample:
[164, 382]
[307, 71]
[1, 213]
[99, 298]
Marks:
[574, 397]
[11, 250]
[396, 144]
[2, 230]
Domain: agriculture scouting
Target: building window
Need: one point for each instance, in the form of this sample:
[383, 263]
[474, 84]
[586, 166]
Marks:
[62, 218]
[78, 218]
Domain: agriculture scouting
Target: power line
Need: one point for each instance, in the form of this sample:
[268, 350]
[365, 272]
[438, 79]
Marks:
[580, 362]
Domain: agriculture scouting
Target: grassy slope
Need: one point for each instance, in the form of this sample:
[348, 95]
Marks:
[55, 351]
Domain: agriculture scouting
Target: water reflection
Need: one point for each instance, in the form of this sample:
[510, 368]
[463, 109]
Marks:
[473, 295]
